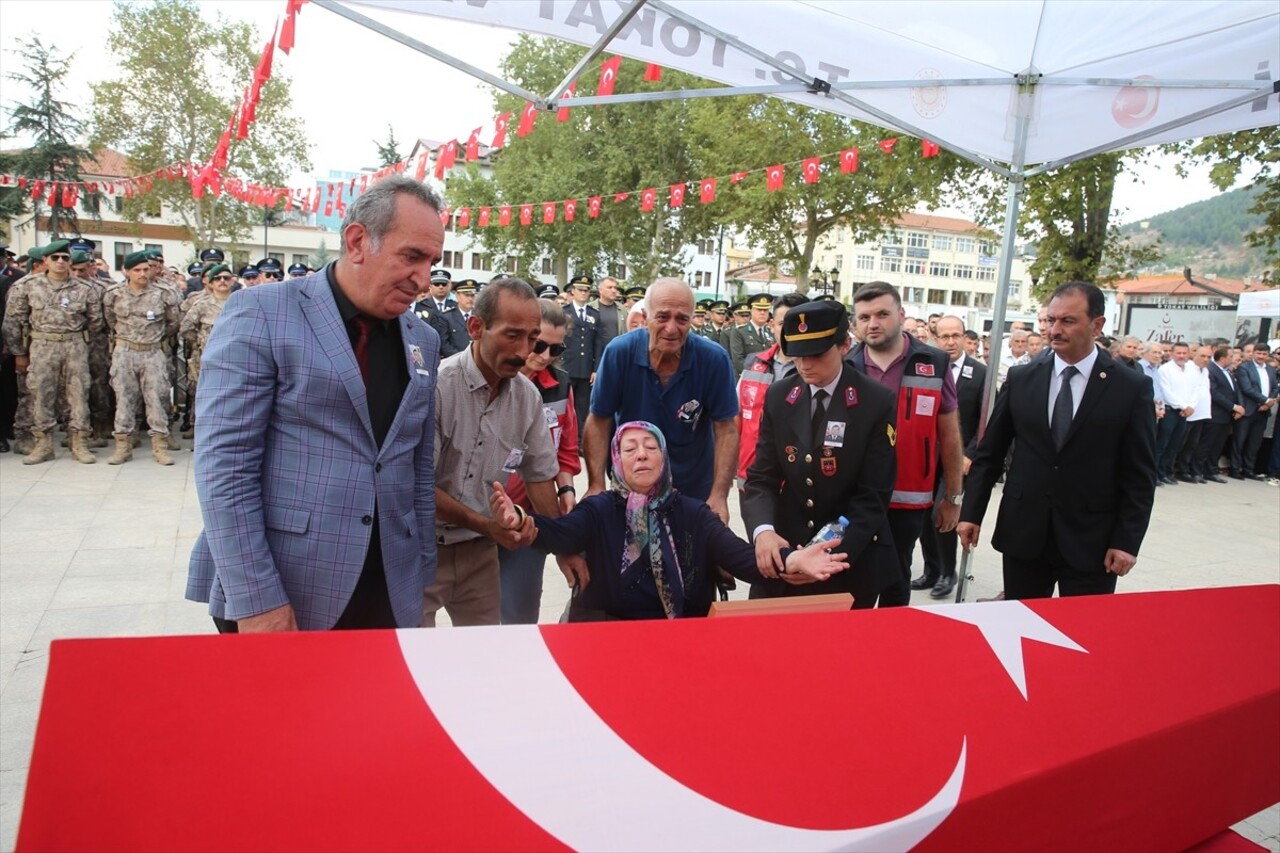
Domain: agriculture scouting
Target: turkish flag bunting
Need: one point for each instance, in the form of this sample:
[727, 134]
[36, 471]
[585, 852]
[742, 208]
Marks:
[288, 203]
[504, 215]
[619, 198]
[500, 130]
[22, 183]
[241, 117]
[421, 171]
[444, 217]
[608, 75]
[653, 72]
[128, 188]
[340, 209]
[54, 192]
[848, 161]
[929, 149]
[527, 117]
[593, 206]
[328, 208]
[886, 145]
[262, 73]
[526, 214]
[364, 183]
[485, 213]
[70, 195]
[464, 217]
[563, 113]
[570, 209]
[331, 186]
[549, 213]
[677, 195]
[707, 193]
[315, 203]
[473, 146]
[351, 188]
[646, 199]
[738, 177]
[812, 169]
[290, 21]
[774, 176]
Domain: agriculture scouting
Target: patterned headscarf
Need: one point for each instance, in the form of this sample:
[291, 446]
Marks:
[646, 530]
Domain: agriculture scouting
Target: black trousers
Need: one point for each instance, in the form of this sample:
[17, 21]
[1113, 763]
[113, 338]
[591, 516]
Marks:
[581, 407]
[1212, 437]
[1185, 461]
[1248, 440]
[906, 525]
[939, 550]
[1037, 577]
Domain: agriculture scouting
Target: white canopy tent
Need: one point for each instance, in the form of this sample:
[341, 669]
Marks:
[1018, 86]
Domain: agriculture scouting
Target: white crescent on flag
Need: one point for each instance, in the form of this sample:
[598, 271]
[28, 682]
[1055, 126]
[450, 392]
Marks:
[506, 704]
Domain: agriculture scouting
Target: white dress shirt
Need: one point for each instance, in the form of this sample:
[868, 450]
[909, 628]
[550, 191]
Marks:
[1176, 387]
[1199, 377]
[1078, 382]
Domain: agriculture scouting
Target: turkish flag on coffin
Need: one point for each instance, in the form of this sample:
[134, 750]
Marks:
[1148, 722]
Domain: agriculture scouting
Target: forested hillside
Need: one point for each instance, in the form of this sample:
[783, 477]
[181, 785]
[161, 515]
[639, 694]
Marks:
[1208, 235]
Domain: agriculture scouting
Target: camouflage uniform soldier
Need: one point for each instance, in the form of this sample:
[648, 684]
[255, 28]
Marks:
[22, 422]
[159, 278]
[197, 323]
[101, 406]
[141, 315]
[57, 313]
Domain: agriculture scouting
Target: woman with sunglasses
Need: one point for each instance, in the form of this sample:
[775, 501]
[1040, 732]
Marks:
[521, 570]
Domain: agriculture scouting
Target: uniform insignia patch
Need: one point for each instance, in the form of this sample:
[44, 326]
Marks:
[850, 396]
[924, 370]
[828, 466]
[793, 396]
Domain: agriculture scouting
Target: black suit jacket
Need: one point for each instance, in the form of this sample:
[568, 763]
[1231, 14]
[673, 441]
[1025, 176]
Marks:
[582, 343]
[1250, 389]
[797, 487]
[451, 326]
[1224, 395]
[1094, 494]
[969, 385]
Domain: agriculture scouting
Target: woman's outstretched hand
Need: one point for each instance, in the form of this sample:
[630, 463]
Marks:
[816, 562]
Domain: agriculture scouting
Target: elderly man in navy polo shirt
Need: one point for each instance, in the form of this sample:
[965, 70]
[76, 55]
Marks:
[683, 384]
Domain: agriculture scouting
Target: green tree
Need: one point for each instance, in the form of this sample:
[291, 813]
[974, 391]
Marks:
[181, 77]
[389, 151]
[321, 255]
[55, 153]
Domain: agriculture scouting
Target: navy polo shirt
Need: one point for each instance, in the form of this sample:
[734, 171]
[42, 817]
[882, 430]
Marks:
[700, 393]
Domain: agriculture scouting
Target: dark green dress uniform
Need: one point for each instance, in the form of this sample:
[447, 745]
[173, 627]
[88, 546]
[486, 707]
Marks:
[801, 481]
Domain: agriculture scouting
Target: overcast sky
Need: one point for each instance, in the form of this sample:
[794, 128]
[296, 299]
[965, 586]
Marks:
[350, 83]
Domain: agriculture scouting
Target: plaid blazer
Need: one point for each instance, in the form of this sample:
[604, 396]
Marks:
[288, 470]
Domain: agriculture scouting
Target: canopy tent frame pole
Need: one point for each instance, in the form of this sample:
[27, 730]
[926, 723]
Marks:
[592, 52]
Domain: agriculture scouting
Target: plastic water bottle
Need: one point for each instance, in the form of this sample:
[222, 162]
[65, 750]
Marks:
[831, 532]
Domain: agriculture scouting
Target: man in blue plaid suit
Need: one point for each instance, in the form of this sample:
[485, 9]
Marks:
[315, 435]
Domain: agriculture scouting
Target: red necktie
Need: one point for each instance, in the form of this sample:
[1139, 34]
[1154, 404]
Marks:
[364, 325]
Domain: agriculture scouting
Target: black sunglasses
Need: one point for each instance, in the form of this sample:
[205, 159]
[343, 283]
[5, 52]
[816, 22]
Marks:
[59, 257]
[224, 277]
[557, 350]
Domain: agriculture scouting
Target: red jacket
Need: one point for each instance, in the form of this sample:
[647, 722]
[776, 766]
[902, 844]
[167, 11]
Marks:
[557, 406]
[757, 376]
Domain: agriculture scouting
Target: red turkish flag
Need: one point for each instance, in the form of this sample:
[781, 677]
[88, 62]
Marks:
[738, 177]
[328, 208]
[54, 192]
[484, 217]
[70, 195]
[608, 75]
[290, 20]
[812, 169]
[440, 163]
[886, 145]
[500, 130]
[504, 215]
[848, 161]
[562, 114]
[464, 217]
[653, 72]
[707, 191]
[774, 177]
[677, 195]
[364, 183]
[593, 206]
[570, 209]
[340, 209]
[929, 149]
[473, 146]
[419, 174]
[548, 213]
[647, 198]
[619, 198]
[526, 214]
[527, 116]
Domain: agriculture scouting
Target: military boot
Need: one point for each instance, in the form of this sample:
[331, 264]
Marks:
[124, 449]
[160, 449]
[79, 450]
[41, 450]
[172, 441]
[22, 445]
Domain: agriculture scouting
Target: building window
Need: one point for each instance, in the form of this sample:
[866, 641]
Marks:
[480, 261]
[987, 247]
[279, 256]
[1015, 289]
[893, 238]
[986, 274]
[546, 266]
[702, 280]
[119, 205]
[914, 266]
[301, 259]
[707, 246]
[917, 240]
[940, 270]
[866, 262]
[840, 235]
[122, 249]
[966, 244]
[982, 300]
[891, 265]
[839, 262]
[153, 247]
[511, 265]
[942, 242]
[152, 206]
[937, 296]
[913, 294]
[618, 271]
[959, 297]
[963, 271]
[92, 203]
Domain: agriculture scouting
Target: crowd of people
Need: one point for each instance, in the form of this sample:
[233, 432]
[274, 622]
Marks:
[375, 442]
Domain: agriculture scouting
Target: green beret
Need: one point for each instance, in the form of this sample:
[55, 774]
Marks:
[79, 256]
[35, 253]
[216, 270]
[57, 246]
[154, 254]
[133, 259]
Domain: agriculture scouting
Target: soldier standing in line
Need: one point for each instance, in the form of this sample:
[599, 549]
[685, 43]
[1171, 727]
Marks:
[197, 323]
[22, 441]
[101, 406]
[140, 314]
[47, 327]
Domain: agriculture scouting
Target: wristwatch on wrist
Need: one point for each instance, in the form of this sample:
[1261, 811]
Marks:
[955, 499]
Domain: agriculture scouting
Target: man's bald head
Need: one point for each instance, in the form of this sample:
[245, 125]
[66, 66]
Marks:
[673, 291]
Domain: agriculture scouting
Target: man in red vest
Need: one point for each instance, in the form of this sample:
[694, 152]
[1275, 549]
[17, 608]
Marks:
[759, 371]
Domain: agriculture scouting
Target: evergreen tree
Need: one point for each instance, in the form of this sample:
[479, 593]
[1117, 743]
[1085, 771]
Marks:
[389, 151]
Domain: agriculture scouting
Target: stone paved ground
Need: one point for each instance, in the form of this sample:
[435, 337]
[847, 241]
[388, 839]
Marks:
[102, 551]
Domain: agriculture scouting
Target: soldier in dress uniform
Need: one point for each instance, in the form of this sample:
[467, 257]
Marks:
[632, 295]
[718, 320]
[754, 335]
[47, 326]
[825, 450]
[140, 315]
[451, 323]
[270, 269]
[298, 271]
[249, 276]
[582, 343]
[195, 326]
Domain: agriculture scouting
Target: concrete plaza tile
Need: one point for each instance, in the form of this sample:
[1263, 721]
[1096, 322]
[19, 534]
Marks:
[52, 506]
[17, 730]
[21, 566]
[31, 596]
[13, 784]
[71, 516]
[83, 484]
[107, 590]
[126, 620]
[8, 662]
[16, 539]
[11, 493]
[16, 630]
[26, 684]
[139, 536]
[184, 618]
[118, 561]
[151, 516]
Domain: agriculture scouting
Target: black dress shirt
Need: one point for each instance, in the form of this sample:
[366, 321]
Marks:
[388, 374]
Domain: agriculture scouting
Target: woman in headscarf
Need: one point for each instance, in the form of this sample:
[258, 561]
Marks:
[652, 552]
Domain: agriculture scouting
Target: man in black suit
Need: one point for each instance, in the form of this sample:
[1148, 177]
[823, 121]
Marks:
[753, 336]
[970, 375]
[437, 299]
[1082, 480]
[825, 450]
[1224, 407]
[450, 322]
[1257, 382]
[582, 346]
